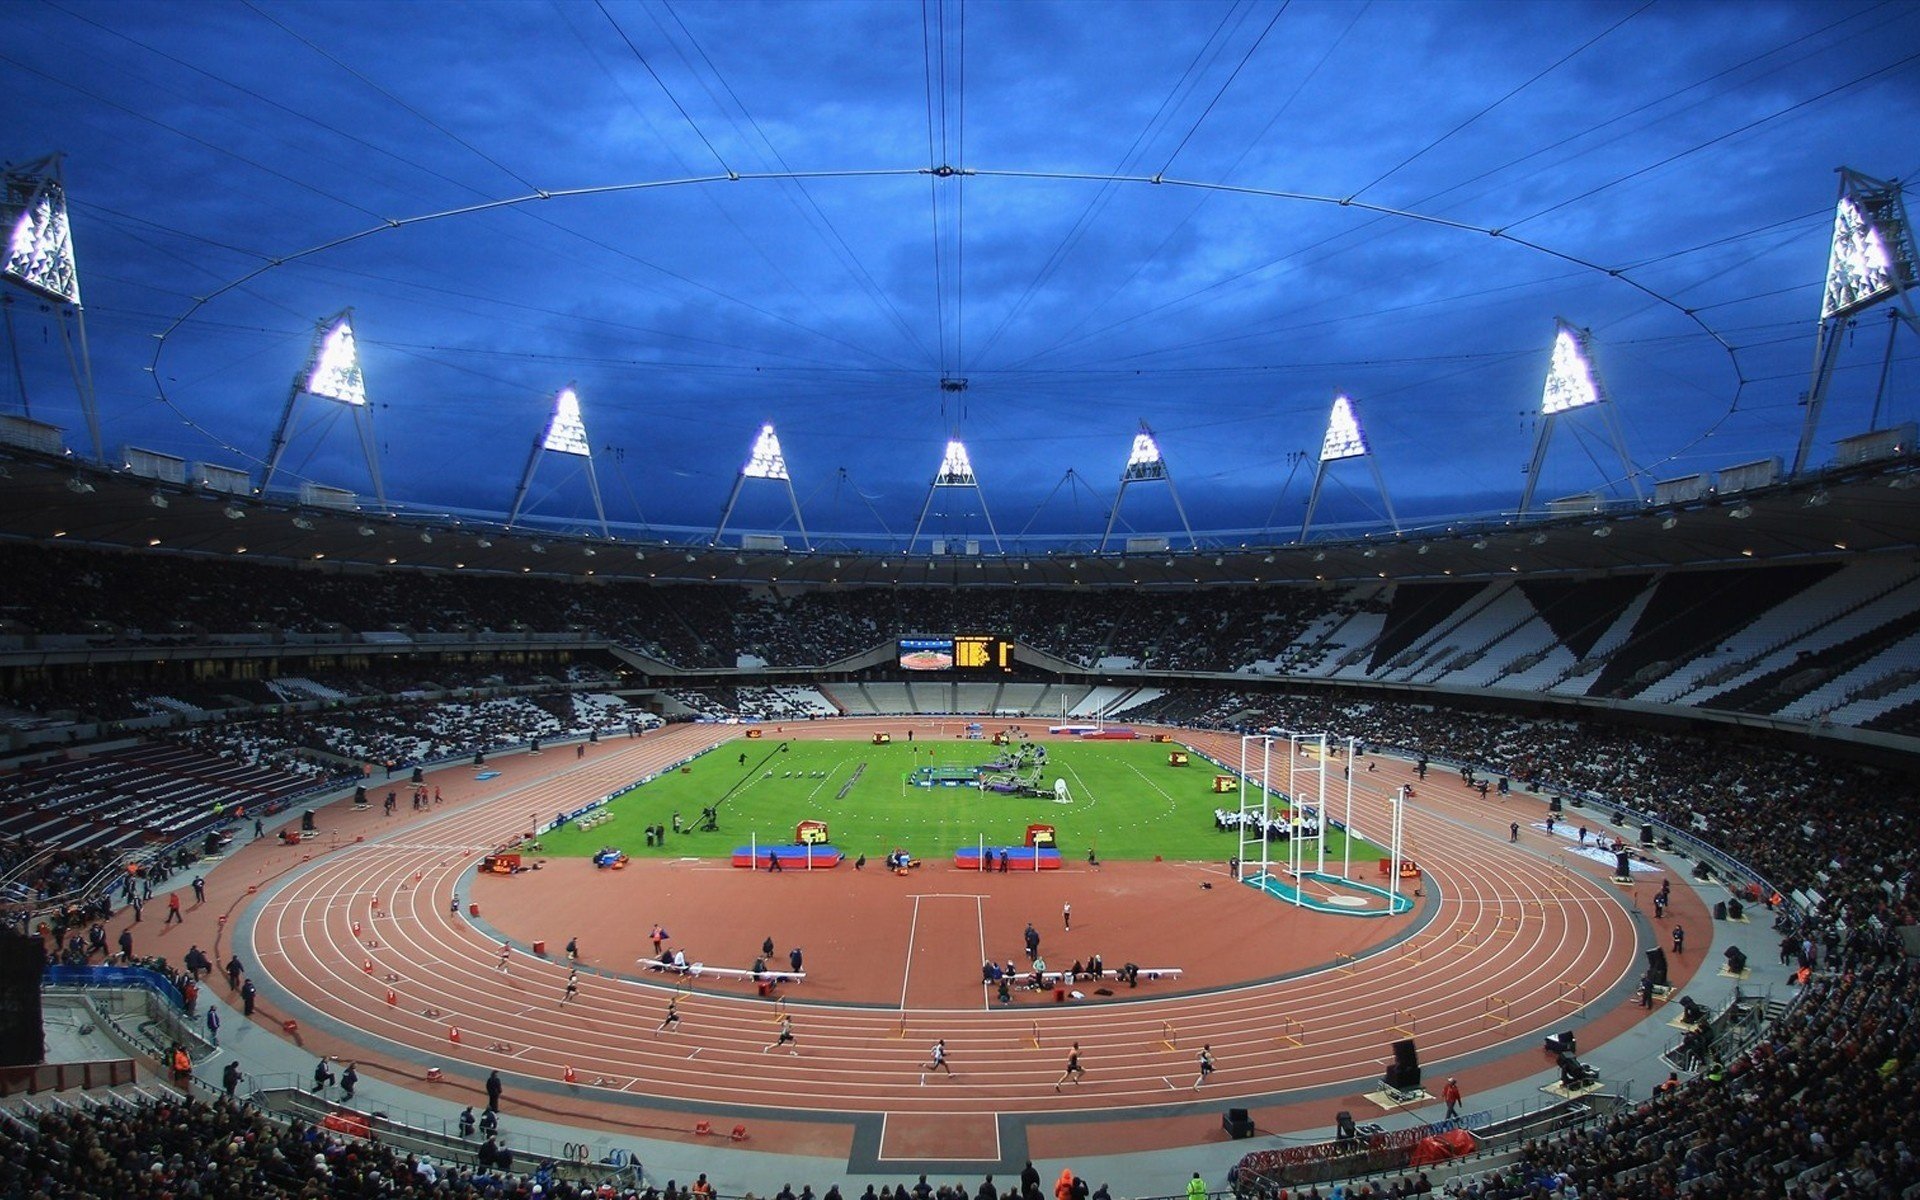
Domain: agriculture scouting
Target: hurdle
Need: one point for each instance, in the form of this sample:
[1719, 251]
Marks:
[1414, 951]
[1404, 1023]
[779, 1009]
[1169, 1036]
[1343, 963]
[1496, 1008]
[1500, 926]
[1291, 1034]
[1467, 935]
[1562, 875]
[899, 1029]
[1572, 993]
[1033, 1035]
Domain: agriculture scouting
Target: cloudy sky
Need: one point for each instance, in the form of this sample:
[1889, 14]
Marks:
[1661, 173]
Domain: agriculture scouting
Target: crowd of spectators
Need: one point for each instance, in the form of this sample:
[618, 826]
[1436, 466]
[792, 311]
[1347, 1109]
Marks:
[223, 1150]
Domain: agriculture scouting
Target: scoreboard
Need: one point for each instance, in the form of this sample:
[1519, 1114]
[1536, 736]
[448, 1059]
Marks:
[965, 652]
[981, 652]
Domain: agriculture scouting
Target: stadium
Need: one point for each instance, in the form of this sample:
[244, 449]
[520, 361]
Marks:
[426, 811]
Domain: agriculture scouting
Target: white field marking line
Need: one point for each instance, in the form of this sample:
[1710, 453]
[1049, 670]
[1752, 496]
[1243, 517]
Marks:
[980, 922]
[907, 975]
[1164, 794]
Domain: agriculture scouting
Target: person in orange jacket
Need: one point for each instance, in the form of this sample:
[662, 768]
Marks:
[1063, 1190]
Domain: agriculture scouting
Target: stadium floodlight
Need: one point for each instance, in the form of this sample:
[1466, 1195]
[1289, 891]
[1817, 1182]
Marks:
[333, 373]
[38, 256]
[1145, 464]
[1859, 266]
[1871, 261]
[1573, 386]
[39, 237]
[956, 469]
[1571, 380]
[766, 461]
[1146, 451]
[1345, 439]
[566, 431]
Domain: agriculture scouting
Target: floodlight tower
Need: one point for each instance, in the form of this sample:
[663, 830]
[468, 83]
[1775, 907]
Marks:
[39, 258]
[1573, 385]
[566, 433]
[1871, 262]
[956, 471]
[1146, 465]
[765, 462]
[1344, 440]
[332, 374]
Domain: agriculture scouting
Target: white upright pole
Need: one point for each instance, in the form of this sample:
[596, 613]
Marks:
[1293, 812]
[753, 852]
[1266, 804]
[1399, 805]
[1346, 843]
[1322, 813]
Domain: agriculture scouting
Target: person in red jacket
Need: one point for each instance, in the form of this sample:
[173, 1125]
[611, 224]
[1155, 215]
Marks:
[1451, 1094]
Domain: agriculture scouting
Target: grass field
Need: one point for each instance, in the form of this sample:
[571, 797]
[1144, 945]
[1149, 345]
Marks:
[1124, 800]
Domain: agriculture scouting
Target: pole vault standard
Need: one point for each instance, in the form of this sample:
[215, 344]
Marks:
[1256, 761]
[1295, 740]
[1346, 862]
[1399, 806]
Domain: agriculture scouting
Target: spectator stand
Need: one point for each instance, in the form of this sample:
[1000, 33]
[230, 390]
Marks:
[592, 1160]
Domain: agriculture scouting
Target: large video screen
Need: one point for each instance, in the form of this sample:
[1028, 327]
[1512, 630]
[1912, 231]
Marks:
[926, 654]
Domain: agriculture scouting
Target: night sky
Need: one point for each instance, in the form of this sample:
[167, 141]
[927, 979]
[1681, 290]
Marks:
[1671, 164]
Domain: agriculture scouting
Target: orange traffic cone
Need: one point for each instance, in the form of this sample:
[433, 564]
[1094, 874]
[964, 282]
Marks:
[391, 998]
[567, 1074]
[453, 1035]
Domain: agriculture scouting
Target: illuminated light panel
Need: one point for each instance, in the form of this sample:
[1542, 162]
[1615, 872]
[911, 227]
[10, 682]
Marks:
[1146, 451]
[335, 373]
[40, 244]
[766, 461]
[566, 432]
[1571, 381]
[956, 469]
[1860, 268]
[1344, 437]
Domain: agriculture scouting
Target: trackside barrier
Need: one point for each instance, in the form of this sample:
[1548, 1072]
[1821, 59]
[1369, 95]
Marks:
[1264, 1173]
[591, 1161]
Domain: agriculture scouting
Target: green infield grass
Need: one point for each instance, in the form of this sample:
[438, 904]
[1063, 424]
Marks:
[1123, 800]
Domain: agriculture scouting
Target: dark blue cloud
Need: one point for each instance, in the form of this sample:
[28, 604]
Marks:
[1690, 145]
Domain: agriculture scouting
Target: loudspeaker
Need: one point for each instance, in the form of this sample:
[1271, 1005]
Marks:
[1657, 966]
[1719, 910]
[1343, 1128]
[1554, 805]
[1561, 1043]
[1621, 867]
[22, 1039]
[1646, 835]
[1237, 1123]
[1734, 910]
[1404, 1074]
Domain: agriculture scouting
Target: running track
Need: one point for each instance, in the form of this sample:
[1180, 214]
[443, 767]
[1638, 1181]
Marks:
[1511, 943]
